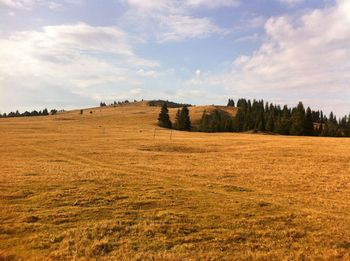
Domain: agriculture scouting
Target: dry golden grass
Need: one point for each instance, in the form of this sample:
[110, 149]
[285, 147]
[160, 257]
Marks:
[98, 186]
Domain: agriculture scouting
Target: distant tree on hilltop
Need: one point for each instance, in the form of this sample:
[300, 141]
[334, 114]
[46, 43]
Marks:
[231, 103]
[170, 104]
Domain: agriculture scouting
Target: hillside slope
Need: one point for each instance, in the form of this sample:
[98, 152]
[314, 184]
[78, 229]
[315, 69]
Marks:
[196, 112]
[104, 185]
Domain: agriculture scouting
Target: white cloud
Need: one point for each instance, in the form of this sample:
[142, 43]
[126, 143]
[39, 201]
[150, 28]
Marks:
[173, 20]
[147, 73]
[212, 3]
[73, 57]
[181, 27]
[17, 3]
[29, 4]
[179, 4]
[306, 56]
[292, 2]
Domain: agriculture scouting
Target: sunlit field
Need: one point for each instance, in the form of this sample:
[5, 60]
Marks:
[105, 185]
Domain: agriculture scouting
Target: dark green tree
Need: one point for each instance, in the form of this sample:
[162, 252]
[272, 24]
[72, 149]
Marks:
[205, 122]
[270, 124]
[185, 116]
[283, 122]
[231, 102]
[163, 118]
[308, 124]
[177, 120]
[298, 120]
[216, 121]
[183, 121]
[348, 126]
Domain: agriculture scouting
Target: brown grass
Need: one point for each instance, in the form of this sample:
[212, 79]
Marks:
[98, 186]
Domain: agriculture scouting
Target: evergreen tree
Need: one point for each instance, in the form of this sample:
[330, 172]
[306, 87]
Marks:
[270, 124]
[183, 121]
[286, 121]
[308, 124]
[320, 129]
[298, 120]
[185, 118]
[238, 121]
[178, 120]
[163, 118]
[321, 117]
[278, 126]
[216, 121]
[205, 121]
[231, 103]
[348, 127]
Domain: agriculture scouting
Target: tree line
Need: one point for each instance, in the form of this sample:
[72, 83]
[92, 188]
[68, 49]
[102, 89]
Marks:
[170, 104]
[44, 112]
[298, 121]
[114, 103]
[259, 116]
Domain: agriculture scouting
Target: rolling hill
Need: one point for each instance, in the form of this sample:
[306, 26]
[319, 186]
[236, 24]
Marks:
[102, 186]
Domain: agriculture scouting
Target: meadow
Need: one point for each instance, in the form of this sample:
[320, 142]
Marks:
[102, 186]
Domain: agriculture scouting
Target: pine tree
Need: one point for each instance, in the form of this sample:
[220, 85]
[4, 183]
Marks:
[270, 124]
[321, 117]
[308, 124]
[348, 127]
[283, 122]
[185, 118]
[320, 129]
[298, 120]
[231, 103]
[331, 126]
[183, 121]
[238, 121]
[278, 126]
[178, 120]
[163, 118]
[45, 112]
[204, 126]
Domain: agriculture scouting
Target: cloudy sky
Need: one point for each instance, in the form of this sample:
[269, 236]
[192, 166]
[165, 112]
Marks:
[75, 53]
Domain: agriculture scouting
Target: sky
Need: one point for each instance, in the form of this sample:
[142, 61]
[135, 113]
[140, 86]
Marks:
[76, 53]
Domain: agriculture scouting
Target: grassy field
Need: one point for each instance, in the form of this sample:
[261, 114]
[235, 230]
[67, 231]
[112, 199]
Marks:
[100, 186]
